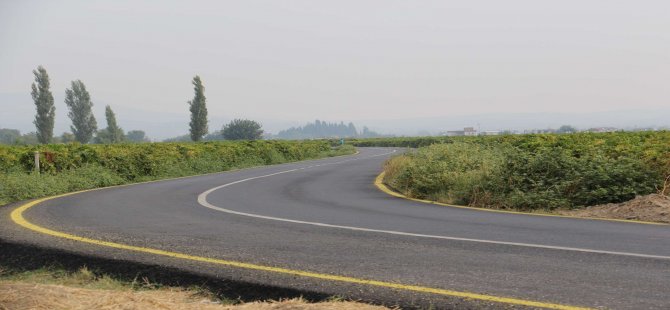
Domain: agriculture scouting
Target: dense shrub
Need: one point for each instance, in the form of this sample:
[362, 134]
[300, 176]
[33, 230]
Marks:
[556, 178]
[535, 171]
[412, 142]
[446, 172]
[135, 160]
[76, 167]
[15, 186]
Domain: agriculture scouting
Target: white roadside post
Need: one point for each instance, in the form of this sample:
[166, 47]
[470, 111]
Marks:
[37, 162]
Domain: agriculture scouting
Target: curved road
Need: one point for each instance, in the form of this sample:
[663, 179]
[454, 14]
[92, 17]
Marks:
[322, 226]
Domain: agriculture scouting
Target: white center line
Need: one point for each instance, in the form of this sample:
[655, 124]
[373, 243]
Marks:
[202, 200]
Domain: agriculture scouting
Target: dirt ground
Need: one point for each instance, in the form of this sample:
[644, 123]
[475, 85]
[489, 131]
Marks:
[17, 295]
[649, 208]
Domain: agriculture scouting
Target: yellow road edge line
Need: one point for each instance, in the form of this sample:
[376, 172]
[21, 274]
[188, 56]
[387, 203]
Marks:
[379, 183]
[17, 217]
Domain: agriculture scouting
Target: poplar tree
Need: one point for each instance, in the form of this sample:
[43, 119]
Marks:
[113, 131]
[79, 102]
[44, 104]
[198, 124]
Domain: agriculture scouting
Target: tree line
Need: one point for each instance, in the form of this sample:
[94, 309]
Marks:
[14, 136]
[85, 127]
[321, 129]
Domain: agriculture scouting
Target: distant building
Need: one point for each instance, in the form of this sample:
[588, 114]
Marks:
[490, 133]
[453, 133]
[538, 131]
[469, 131]
[602, 129]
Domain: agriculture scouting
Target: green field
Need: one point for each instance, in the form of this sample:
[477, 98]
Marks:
[72, 167]
[530, 172]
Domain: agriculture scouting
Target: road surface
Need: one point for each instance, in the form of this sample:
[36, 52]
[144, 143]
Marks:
[322, 226]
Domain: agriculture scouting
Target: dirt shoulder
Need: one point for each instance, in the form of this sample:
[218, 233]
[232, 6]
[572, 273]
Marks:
[21, 295]
[649, 208]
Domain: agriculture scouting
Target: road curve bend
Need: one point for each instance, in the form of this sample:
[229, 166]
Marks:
[322, 226]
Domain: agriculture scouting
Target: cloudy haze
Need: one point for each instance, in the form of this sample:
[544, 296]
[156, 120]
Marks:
[286, 62]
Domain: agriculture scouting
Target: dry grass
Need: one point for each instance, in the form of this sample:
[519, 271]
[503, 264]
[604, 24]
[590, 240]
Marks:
[18, 295]
[665, 189]
[83, 278]
[392, 168]
[58, 289]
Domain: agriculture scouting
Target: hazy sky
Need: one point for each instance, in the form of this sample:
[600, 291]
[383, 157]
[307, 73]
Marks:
[345, 60]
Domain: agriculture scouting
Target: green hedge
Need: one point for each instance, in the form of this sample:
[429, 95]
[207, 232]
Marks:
[535, 171]
[133, 161]
[71, 167]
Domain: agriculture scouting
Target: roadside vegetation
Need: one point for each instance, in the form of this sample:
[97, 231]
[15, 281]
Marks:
[58, 288]
[71, 167]
[531, 172]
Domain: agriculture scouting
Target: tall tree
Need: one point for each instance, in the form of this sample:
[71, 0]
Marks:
[44, 103]
[198, 109]
[79, 102]
[113, 131]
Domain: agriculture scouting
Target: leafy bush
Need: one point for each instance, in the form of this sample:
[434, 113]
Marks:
[446, 172]
[535, 171]
[242, 129]
[75, 167]
[412, 142]
[555, 178]
[17, 186]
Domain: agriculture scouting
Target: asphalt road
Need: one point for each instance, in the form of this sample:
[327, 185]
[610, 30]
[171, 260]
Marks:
[327, 217]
